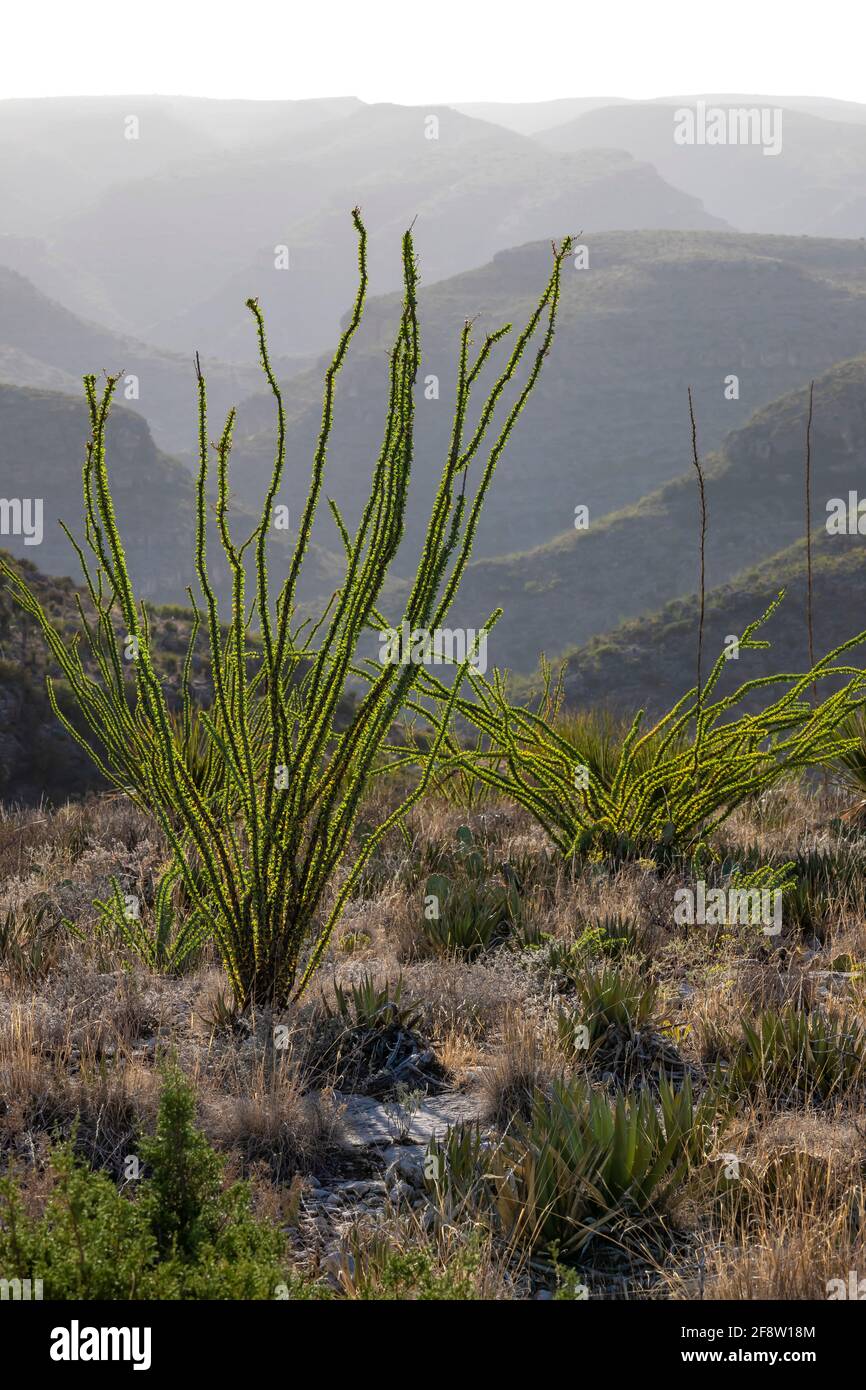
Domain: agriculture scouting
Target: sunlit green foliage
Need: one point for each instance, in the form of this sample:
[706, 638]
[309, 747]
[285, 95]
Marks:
[258, 796]
[672, 784]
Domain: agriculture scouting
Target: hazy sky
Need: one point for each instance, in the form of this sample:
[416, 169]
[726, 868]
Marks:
[419, 51]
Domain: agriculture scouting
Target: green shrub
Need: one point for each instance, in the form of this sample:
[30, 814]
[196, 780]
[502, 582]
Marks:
[182, 1235]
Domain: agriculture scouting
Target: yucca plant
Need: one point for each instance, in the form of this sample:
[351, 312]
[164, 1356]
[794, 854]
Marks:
[471, 915]
[791, 1053]
[825, 881]
[674, 783]
[371, 1006]
[582, 1163]
[259, 854]
[456, 1172]
[609, 996]
[370, 1043]
[28, 940]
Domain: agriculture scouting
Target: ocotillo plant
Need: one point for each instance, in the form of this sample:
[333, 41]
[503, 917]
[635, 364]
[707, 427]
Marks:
[265, 849]
[706, 757]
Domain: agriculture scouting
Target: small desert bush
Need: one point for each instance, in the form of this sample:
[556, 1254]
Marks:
[182, 1235]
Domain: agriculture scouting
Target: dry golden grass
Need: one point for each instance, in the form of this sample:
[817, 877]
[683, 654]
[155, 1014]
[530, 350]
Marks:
[523, 1060]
